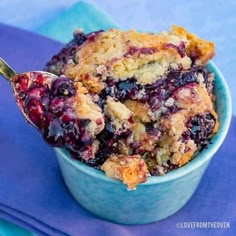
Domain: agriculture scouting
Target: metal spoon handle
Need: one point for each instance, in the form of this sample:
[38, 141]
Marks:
[6, 71]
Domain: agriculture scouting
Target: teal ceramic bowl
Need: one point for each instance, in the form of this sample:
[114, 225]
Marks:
[160, 196]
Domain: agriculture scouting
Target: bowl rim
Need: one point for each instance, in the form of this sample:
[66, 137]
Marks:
[203, 157]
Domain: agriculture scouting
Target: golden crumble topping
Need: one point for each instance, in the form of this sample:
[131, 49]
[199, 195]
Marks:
[146, 57]
[148, 99]
[131, 170]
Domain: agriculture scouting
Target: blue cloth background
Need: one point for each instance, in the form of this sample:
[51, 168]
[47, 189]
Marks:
[212, 21]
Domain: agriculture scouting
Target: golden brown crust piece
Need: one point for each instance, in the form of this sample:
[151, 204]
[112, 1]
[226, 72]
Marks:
[131, 170]
[197, 48]
[140, 110]
[146, 57]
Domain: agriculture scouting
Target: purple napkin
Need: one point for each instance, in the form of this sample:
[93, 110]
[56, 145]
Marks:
[32, 192]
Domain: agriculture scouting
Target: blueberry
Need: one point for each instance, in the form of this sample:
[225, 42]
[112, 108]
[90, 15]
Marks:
[180, 48]
[183, 78]
[57, 105]
[37, 91]
[21, 82]
[200, 127]
[127, 89]
[63, 87]
[79, 38]
[95, 162]
[52, 131]
[34, 110]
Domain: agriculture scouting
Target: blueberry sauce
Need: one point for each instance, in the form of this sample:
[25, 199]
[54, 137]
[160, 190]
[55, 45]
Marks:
[180, 48]
[146, 51]
[107, 146]
[200, 127]
[48, 104]
[58, 62]
[155, 170]
[155, 94]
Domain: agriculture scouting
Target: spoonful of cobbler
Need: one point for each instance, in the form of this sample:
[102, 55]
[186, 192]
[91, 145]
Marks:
[55, 106]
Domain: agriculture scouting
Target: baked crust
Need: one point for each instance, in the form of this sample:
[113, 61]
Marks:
[198, 49]
[131, 170]
[121, 55]
[148, 98]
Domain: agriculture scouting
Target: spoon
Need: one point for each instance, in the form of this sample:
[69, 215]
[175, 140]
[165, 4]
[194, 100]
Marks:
[9, 74]
[50, 104]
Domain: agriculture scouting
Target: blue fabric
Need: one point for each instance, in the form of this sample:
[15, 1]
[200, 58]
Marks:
[81, 15]
[30, 14]
[9, 229]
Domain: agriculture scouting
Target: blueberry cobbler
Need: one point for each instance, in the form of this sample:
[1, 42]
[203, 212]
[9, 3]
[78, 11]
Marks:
[130, 104]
